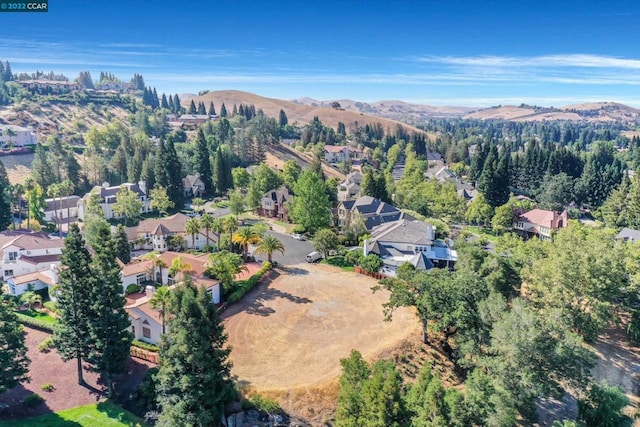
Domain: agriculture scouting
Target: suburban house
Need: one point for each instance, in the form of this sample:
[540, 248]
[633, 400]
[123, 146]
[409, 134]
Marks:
[24, 251]
[17, 136]
[108, 196]
[341, 153]
[350, 187]
[628, 235]
[194, 119]
[273, 204]
[540, 223]
[412, 241]
[193, 186]
[154, 234]
[146, 322]
[17, 285]
[61, 208]
[373, 211]
[49, 86]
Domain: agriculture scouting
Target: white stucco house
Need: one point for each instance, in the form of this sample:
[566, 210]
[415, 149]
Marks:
[108, 196]
[17, 285]
[24, 251]
[154, 234]
[61, 208]
[17, 136]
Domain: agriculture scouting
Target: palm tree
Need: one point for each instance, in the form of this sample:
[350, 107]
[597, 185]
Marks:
[17, 190]
[230, 225]
[160, 300]
[245, 236]
[29, 298]
[192, 227]
[156, 263]
[29, 185]
[207, 222]
[198, 203]
[179, 266]
[269, 245]
[10, 133]
[218, 228]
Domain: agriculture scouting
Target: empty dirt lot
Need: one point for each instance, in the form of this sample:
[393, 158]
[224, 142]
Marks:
[293, 331]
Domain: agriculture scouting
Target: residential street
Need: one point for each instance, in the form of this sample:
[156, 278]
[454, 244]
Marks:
[294, 250]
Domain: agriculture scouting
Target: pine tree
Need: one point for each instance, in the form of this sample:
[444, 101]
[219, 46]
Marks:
[8, 75]
[123, 249]
[212, 109]
[171, 105]
[192, 108]
[154, 101]
[221, 172]
[194, 377]
[234, 112]
[175, 188]
[201, 108]
[223, 111]
[109, 334]
[1, 72]
[203, 161]
[13, 354]
[282, 120]
[176, 104]
[368, 185]
[164, 103]
[74, 300]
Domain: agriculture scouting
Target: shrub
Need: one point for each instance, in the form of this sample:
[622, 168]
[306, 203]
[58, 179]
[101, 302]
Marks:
[263, 404]
[145, 346]
[243, 287]
[47, 387]
[371, 263]
[32, 400]
[132, 288]
[34, 323]
[52, 306]
[46, 345]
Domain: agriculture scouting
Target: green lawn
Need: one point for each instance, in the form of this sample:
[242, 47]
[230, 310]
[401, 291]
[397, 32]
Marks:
[43, 317]
[103, 414]
[483, 233]
[338, 261]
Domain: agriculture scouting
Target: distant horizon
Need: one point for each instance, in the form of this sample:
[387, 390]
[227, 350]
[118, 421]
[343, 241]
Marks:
[464, 54]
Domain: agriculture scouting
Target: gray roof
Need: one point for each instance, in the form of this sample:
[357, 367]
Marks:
[61, 203]
[629, 234]
[406, 230]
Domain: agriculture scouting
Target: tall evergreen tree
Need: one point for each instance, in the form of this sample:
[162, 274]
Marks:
[212, 109]
[74, 298]
[176, 103]
[311, 207]
[282, 119]
[109, 335]
[203, 161]
[13, 352]
[192, 108]
[201, 108]
[221, 172]
[194, 377]
[164, 103]
[175, 188]
[223, 111]
[123, 249]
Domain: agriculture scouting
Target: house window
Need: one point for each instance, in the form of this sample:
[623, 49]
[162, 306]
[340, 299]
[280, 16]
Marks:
[8, 273]
[13, 256]
[146, 332]
[141, 278]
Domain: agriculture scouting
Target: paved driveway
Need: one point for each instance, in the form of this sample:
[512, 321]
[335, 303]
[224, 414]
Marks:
[295, 251]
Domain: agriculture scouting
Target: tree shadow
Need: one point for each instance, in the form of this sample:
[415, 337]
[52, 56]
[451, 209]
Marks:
[257, 306]
[295, 271]
[15, 413]
[115, 412]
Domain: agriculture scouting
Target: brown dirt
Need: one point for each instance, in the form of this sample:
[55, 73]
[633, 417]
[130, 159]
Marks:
[278, 154]
[48, 368]
[289, 334]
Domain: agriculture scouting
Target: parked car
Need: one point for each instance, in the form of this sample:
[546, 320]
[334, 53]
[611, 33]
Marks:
[298, 236]
[314, 256]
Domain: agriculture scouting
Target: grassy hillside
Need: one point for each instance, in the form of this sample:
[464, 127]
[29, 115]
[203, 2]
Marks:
[295, 112]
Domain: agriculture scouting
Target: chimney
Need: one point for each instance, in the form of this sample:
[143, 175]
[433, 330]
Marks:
[365, 249]
[149, 291]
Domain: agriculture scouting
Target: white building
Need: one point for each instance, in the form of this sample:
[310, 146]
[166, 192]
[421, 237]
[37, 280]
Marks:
[17, 136]
[24, 251]
[17, 285]
[108, 196]
[154, 234]
[61, 208]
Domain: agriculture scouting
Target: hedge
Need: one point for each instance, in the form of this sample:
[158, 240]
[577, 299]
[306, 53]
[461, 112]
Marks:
[145, 346]
[246, 285]
[35, 323]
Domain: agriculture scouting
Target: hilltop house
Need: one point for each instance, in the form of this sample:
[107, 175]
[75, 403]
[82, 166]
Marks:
[540, 223]
[155, 233]
[412, 241]
[108, 196]
[628, 235]
[24, 251]
[273, 204]
[17, 136]
[373, 211]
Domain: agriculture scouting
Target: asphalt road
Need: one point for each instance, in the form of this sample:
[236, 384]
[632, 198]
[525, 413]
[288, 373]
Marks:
[295, 251]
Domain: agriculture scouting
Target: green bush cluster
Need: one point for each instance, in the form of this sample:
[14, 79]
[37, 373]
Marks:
[52, 306]
[32, 400]
[145, 346]
[262, 404]
[46, 345]
[244, 286]
[133, 288]
[47, 387]
[35, 323]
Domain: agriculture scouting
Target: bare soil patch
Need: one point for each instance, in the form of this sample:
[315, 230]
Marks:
[289, 334]
[48, 368]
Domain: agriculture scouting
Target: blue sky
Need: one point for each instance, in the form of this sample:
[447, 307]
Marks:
[451, 52]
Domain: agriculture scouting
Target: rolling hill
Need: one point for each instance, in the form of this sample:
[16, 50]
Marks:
[296, 112]
[588, 112]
